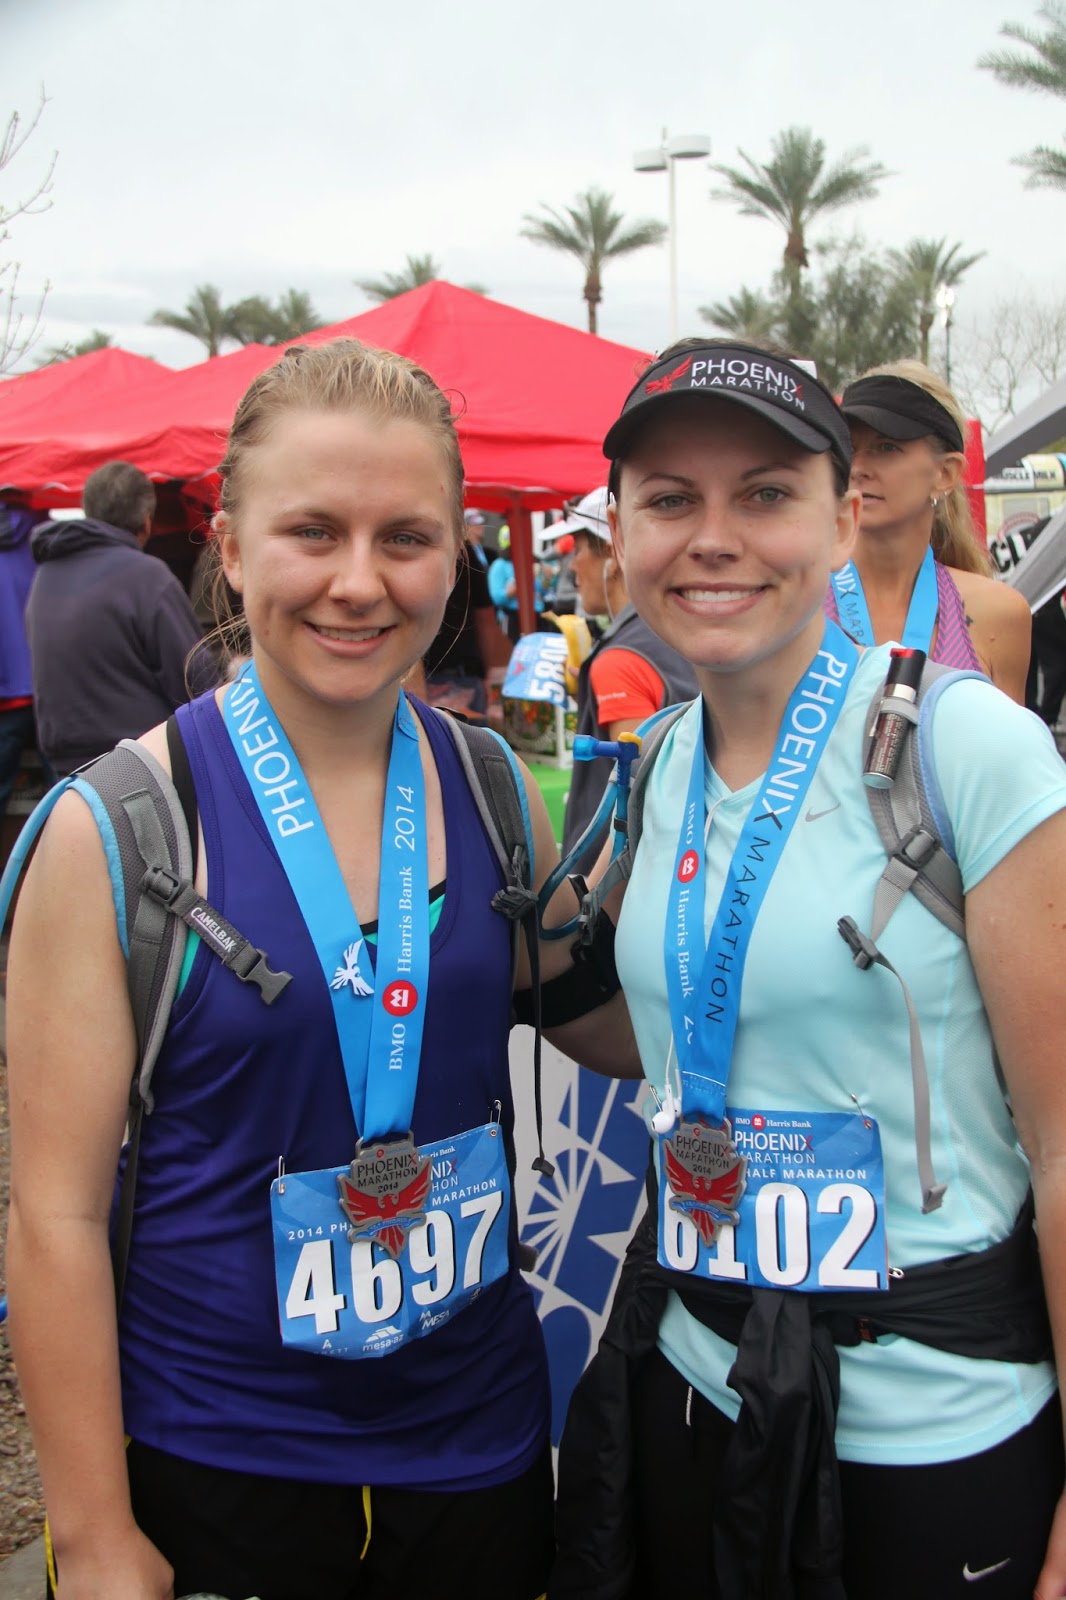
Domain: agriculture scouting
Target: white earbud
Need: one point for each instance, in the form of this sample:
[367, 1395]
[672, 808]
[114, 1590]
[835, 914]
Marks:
[664, 1119]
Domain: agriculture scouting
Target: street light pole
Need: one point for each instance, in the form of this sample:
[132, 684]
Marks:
[945, 299]
[664, 159]
[671, 183]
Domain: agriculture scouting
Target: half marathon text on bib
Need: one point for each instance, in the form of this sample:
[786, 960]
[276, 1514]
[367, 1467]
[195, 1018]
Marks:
[336, 1298]
[812, 1214]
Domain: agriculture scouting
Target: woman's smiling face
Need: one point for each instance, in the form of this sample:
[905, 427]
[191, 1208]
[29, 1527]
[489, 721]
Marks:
[727, 532]
[343, 550]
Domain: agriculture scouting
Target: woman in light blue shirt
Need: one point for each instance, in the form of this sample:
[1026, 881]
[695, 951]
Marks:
[828, 1371]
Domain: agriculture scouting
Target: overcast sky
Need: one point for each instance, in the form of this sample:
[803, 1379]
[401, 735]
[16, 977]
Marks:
[257, 144]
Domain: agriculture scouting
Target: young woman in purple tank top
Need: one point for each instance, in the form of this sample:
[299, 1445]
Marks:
[908, 436]
[340, 528]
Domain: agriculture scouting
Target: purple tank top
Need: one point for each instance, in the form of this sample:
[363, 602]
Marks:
[238, 1085]
[953, 647]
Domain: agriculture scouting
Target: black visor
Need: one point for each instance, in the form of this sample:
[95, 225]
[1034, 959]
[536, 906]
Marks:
[900, 410]
[783, 393]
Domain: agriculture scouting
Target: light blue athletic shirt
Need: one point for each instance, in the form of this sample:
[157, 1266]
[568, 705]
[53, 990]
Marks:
[815, 1031]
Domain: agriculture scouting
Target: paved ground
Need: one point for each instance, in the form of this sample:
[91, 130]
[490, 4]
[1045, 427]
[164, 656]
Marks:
[22, 1575]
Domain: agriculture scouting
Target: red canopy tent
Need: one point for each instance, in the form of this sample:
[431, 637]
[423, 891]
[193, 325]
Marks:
[533, 400]
[533, 397]
[51, 440]
[96, 379]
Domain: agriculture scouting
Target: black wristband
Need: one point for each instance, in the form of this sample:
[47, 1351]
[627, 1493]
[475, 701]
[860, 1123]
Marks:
[583, 987]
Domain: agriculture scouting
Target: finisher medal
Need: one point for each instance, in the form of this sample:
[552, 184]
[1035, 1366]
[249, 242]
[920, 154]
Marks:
[707, 1176]
[384, 1192]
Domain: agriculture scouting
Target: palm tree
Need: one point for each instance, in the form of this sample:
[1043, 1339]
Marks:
[1044, 71]
[417, 272]
[294, 314]
[255, 321]
[593, 231]
[924, 266]
[97, 340]
[204, 317]
[746, 315]
[252, 320]
[795, 186]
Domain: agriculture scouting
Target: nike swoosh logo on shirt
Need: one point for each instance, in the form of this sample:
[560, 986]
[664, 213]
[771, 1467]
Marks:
[983, 1572]
[812, 816]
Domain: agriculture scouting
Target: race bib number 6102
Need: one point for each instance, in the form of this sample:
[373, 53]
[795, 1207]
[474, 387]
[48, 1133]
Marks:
[811, 1217]
[336, 1298]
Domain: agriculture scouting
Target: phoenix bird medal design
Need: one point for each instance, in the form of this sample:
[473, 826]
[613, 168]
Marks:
[707, 1175]
[384, 1192]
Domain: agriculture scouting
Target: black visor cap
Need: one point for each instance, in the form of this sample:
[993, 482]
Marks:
[900, 410]
[782, 393]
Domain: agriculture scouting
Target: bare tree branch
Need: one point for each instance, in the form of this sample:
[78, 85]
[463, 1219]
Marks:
[19, 330]
[1015, 352]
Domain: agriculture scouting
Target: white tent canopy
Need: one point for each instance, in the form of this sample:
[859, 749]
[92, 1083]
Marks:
[1038, 426]
[1041, 572]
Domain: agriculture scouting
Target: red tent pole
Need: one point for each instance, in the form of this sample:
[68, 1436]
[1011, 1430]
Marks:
[521, 526]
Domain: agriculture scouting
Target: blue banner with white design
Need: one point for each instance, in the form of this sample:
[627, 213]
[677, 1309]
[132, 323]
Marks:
[536, 670]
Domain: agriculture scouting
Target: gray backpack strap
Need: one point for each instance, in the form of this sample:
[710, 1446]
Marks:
[149, 831]
[621, 867]
[919, 861]
[865, 955]
[499, 793]
[150, 856]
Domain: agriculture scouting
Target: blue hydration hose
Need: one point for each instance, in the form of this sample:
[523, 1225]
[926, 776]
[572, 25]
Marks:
[623, 751]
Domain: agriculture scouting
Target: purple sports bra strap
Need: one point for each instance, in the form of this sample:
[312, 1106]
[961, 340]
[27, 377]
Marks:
[954, 647]
[830, 607]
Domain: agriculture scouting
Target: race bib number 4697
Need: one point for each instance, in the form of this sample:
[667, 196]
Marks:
[812, 1215]
[336, 1298]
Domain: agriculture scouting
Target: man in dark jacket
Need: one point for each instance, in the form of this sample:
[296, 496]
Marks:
[109, 626]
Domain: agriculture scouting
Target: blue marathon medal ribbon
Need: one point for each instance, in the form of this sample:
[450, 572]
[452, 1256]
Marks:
[700, 1161]
[370, 1256]
[921, 613]
[379, 1017]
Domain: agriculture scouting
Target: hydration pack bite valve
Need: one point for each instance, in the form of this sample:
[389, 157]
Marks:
[624, 750]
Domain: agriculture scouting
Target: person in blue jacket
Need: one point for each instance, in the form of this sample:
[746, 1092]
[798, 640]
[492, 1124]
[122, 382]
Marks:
[503, 589]
[326, 1363]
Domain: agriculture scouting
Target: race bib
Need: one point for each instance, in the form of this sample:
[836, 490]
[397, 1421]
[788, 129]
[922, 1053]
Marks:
[336, 1298]
[811, 1216]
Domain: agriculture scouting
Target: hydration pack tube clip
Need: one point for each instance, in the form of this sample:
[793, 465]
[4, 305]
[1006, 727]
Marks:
[863, 950]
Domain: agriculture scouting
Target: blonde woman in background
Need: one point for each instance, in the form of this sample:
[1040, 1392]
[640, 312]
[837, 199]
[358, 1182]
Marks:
[920, 574]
